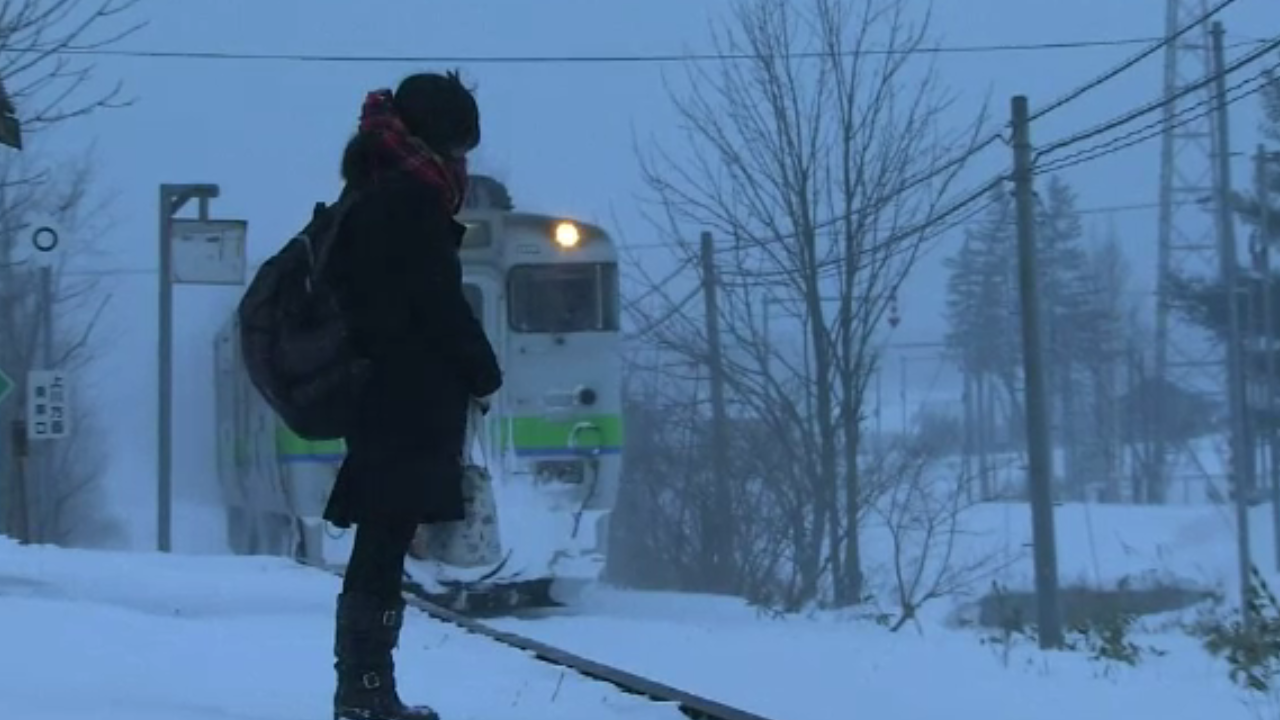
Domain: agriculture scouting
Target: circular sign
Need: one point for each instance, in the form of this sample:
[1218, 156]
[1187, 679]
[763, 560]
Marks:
[44, 239]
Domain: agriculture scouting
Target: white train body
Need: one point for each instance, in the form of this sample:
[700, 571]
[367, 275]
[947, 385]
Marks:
[547, 291]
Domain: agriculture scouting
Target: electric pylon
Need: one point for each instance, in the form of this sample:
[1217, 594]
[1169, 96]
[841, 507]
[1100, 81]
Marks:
[1184, 355]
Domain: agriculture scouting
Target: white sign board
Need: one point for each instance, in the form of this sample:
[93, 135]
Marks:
[208, 252]
[41, 239]
[48, 410]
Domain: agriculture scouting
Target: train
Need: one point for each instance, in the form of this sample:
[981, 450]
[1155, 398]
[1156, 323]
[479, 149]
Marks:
[547, 290]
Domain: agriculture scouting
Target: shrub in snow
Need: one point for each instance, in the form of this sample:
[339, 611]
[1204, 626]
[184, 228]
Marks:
[1106, 639]
[1249, 641]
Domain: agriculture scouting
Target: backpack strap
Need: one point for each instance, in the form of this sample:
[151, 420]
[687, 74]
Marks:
[338, 211]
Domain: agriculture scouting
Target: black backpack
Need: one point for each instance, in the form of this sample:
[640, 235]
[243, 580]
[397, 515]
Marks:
[294, 338]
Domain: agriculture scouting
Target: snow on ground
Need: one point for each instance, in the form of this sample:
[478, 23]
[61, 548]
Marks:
[820, 668]
[144, 637]
[115, 636]
[1097, 545]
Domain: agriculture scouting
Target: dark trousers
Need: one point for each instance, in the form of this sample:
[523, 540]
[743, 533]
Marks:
[377, 559]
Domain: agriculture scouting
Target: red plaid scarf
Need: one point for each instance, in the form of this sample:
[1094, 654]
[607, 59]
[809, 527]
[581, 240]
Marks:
[397, 149]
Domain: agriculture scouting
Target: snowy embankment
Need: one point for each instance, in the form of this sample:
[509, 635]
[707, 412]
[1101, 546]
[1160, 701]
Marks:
[823, 668]
[116, 636]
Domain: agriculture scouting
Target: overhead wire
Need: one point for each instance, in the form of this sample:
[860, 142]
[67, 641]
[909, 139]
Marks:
[655, 287]
[1089, 154]
[917, 231]
[1080, 157]
[1090, 210]
[1131, 62]
[962, 158]
[673, 309]
[906, 186]
[1157, 104]
[969, 199]
[1156, 128]
[596, 59]
[1124, 118]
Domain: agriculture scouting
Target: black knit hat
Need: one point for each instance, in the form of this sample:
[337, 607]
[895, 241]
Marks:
[440, 111]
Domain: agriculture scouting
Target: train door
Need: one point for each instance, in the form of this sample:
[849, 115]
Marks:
[483, 290]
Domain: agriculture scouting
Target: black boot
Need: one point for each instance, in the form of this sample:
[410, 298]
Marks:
[368, 629]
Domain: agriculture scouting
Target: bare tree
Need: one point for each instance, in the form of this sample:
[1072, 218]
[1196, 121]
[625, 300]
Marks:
[69, 511]
[655, 530]
[48, 75]
[922, 513]
[658, 529]
[820, 160]
[45, 69]
[64, 490]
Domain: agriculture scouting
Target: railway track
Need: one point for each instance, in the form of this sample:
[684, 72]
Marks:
[692, 705]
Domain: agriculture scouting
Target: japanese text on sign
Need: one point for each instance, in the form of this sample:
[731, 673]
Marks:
[48, 414]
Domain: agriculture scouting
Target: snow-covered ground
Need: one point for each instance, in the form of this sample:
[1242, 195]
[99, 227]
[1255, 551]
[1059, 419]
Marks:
[116, 636]
[820, 668]
[823, 669]
[113, 636]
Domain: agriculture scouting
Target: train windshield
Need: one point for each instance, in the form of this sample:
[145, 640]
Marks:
[582, 297]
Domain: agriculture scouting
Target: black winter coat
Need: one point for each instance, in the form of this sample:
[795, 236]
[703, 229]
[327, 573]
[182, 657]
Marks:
[396, 271]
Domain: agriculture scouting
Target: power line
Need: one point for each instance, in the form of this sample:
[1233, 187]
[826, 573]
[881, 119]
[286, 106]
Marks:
[1081, 157]
[1127, 64]
[660, 286]
[673, 309]
[1086, 155]
[1091, 210]
[1267, 47]
[659, 58]
[918, 230]
[1156, 128]
[906, 186]
[1155, 105]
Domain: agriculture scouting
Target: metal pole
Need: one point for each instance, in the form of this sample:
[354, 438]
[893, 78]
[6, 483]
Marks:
[172, 199]
[1241, 464]
[164, 413]
[46, 298]
[720, 544]
[1039, 450]
[37, 492]
[19, 517]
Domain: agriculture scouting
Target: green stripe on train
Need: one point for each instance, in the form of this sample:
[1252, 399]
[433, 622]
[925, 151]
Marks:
[533, 433]
[290, 445]
[530, 434]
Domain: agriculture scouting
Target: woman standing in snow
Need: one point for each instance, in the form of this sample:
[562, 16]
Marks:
[396, 271]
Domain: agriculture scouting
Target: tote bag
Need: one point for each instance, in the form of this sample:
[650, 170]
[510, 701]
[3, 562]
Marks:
[475, 540]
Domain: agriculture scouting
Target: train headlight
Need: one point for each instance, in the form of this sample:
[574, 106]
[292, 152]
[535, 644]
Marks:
[567, 235]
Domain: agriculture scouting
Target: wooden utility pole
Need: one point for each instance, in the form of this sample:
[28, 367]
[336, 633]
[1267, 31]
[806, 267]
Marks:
[717, 525]
[1039, 449]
